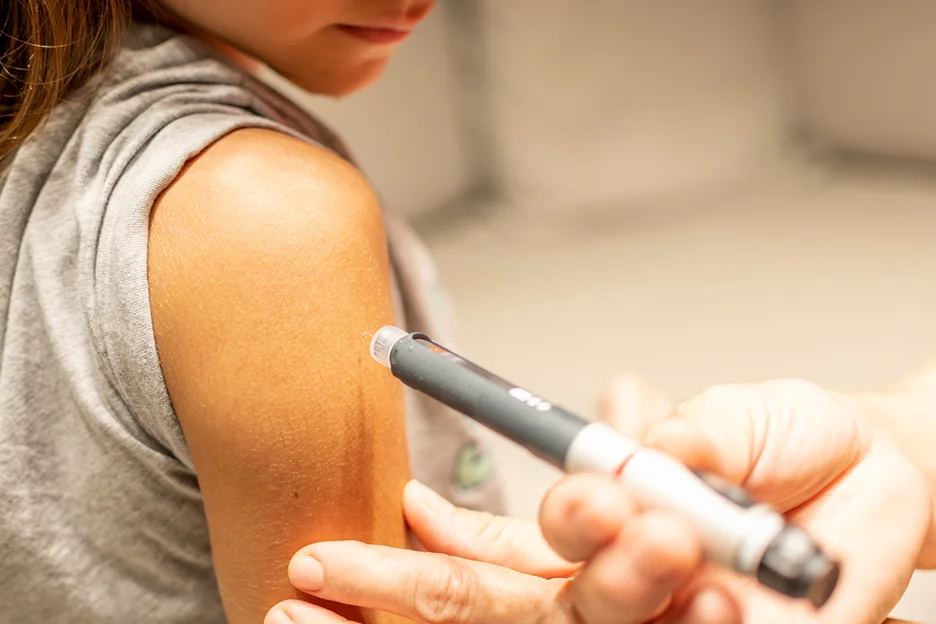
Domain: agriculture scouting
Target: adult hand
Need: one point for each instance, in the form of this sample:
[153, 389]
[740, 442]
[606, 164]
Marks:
[811, 453]
[818, 457]
[492, 570]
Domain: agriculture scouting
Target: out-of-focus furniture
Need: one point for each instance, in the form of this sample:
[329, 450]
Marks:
[623, 103]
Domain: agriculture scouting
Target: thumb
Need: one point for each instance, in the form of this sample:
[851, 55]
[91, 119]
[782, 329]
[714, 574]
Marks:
[479, 536]
[719, 430]
[785, 440]
[722, 431]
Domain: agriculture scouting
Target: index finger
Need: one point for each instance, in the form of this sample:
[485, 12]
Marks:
[424, 587]
[299, 612]
[632, 405]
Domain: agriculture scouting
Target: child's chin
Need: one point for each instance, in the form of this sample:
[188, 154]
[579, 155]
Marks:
[345, 81]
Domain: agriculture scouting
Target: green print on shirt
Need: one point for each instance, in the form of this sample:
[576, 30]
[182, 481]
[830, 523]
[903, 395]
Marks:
[473, 466]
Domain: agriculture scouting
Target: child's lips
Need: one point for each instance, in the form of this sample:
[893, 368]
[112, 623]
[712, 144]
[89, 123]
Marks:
[375, 35]
[388, 29]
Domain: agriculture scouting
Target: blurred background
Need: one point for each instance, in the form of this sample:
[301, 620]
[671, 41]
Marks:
[700, 191]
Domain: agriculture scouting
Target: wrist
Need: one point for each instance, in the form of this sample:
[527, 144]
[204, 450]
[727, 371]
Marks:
[908, 420]
[889, 412]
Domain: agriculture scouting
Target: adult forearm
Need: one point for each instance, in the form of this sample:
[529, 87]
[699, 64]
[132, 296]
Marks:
[907, 410]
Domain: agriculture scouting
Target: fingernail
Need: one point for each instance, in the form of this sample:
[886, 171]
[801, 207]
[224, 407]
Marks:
[306, 573]
[426, 497]
[278, 616]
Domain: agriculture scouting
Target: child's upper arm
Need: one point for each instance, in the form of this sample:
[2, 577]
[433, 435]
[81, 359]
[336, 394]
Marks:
[267, 263]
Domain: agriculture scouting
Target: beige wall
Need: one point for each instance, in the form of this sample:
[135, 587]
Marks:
[624, 101]
[865, 72]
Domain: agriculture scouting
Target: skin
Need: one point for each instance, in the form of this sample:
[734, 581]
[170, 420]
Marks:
[837, 465]
[260, 240]
[908, 412]
[303, 40]
[821, 458]
[263, 237]
[266, 263]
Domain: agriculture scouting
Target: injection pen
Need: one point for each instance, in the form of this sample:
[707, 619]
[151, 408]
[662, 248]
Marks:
[735, 531]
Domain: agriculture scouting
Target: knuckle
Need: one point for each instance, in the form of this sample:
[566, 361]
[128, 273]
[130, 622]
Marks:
[609, 584]
[444, 594]
[495, 538]
[494, 532]
[721, 402]
[273, 615]
[795, 388]
[669, 542]
[726, 394]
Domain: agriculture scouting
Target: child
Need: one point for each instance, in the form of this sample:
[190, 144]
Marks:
[188, 264]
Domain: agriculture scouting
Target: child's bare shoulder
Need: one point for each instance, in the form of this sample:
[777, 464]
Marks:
[267, 262]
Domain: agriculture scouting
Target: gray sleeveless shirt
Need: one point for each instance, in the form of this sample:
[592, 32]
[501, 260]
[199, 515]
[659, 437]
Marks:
[101, 519]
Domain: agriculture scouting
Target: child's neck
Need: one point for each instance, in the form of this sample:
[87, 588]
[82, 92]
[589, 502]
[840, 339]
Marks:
[160, 15]
[241, 59]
